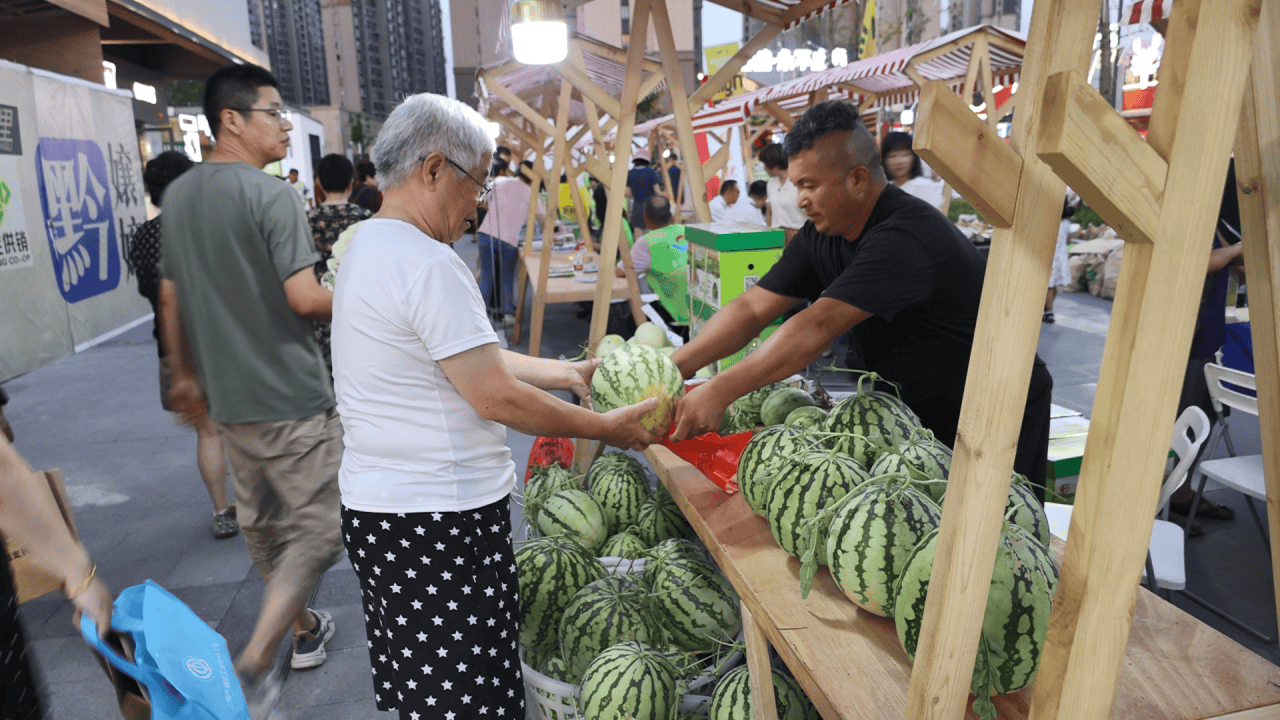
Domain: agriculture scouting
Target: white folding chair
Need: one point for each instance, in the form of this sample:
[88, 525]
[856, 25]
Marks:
[1166, 558]
[1242, 473]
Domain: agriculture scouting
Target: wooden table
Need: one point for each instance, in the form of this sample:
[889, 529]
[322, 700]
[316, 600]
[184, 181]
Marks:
[852, 666]
[556, 290]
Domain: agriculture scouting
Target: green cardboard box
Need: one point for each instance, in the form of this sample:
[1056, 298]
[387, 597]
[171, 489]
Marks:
[725, 260]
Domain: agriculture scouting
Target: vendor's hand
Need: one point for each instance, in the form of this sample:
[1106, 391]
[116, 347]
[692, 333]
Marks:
[699, 411]
[578, 377]
[624, 426]
[186, 397]
[94, 601]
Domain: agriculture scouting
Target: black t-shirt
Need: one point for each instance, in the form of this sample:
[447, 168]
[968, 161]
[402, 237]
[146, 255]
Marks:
[921, 280]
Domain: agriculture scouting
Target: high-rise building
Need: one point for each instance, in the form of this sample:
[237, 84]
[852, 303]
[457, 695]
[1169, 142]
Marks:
[399, 48]
[294, 39]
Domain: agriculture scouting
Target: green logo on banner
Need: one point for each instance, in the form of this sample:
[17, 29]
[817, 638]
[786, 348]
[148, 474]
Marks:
[5, 195]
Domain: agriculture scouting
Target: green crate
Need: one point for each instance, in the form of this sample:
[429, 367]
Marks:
[726, 260]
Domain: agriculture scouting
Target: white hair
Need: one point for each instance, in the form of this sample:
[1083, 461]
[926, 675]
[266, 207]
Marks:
[423, 124]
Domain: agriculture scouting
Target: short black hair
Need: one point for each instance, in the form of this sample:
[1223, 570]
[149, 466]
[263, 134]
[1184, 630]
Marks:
[657, 212]
[162, 170]
[525, 167]
[898, 140]
[641, 162]
[835, 116]
[293, 171]
[773, 156]
[673, 156]
[502, 150]
[728, 185]
[234, 86]
[759, 188]
[365, 170]
[335, 173]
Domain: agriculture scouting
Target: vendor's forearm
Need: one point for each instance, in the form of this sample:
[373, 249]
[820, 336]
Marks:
[543, 373]
[727, 332]
[785, 353]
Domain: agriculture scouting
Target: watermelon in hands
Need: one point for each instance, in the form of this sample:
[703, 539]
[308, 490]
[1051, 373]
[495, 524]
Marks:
[634, 373]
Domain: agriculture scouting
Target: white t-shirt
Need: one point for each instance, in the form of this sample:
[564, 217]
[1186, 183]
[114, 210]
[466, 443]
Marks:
[718, 208]
[744, 211]
[924, 188]
[402, 303]
[783, 201]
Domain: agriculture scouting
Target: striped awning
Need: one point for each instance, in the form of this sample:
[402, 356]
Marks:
[1146, 11]
[777, 11]
[883, 77]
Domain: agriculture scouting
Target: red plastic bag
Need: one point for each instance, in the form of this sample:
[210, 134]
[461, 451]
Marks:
[715, 456]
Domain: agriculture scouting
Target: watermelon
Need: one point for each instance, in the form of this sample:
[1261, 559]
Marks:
[660, 519]
[607, 611]
[618, 458]
[695, 604]
[671, 550]
[810, 417]
[866, 423]
[928, 458]
[748, 407]
[576, 515]
[626, 544]
[546, 482]
[732, 698]
[633, 373]
[764, 457]
[736, 421]
[779, 404]
[620, 489]
[652, 335]
[871, 533]
[1015, 622]
[608, 344]
[550, 571]
[805, 487]
[629, 680]
[1024, 509]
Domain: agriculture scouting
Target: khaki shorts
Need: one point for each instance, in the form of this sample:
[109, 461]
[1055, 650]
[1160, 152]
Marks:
[287, 499]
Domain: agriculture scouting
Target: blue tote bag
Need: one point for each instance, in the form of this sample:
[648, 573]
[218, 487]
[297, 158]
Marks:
[183, 662]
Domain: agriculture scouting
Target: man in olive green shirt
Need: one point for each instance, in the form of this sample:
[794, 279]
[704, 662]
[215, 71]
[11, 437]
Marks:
[236, 300]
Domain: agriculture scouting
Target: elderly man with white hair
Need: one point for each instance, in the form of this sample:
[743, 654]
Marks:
[424, 392]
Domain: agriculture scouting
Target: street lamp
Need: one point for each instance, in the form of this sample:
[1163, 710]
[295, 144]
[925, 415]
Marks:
[539, 35]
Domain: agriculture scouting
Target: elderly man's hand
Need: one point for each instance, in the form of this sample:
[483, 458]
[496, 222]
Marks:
[624, 426]
[578, 377]
[699, 411]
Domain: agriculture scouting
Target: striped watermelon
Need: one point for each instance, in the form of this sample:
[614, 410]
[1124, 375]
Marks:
[633, 373]
[615, 458]
[620, 490]
[732, 698]
[930, 458]
[632, 681]
[576, 515]
[779, 404]
[545, 482]
[805, 487]
[746, 409]
[607, 611]
[866, 423]
[1024, 509]
[550, 572]
[626, 544]
[764, 457]
[670, 550]
[660, 519]
[809, 417]
[695, 604]
[872, 533]
[1016, 619]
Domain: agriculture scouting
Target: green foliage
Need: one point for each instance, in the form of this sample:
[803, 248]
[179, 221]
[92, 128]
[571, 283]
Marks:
[1086, 216]
[185, 92]
[960, 207]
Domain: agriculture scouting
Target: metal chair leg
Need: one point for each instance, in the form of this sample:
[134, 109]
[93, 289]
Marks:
[1229, 618]
[1262, 526]
[1151, 575]
[1195, 505]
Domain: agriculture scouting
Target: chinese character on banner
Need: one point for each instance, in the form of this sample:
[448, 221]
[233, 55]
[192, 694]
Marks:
[124, 174]
[79, 218]
[10, 134]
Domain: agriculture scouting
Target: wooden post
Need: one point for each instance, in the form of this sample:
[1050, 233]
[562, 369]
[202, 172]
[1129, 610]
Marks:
[1258, 180]
[528, 248]
[549, 219]
[684, 119]
[617, 199]
[764, 705]
[996, 386]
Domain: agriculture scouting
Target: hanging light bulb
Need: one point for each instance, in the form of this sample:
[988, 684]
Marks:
[539, 35]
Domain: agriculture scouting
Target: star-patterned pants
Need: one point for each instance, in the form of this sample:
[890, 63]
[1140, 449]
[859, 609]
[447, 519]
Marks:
[441, 611]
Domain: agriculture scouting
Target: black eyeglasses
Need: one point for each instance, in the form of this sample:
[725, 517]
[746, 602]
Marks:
[485, 188]
[280, 114]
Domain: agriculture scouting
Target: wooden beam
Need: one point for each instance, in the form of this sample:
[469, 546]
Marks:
[782, 116]
[716, 162]
[804, 7]
[1137, 394]
[970, 156]
[579, 79]
[760, 673]
[730, 69]
[752, 9]
[617, 55]
[528, 248]
[559, 153]
[1124, 183]
[1258, 183]
[651, 83]
[683, 116]
[521, 107]
[613, 230]
[996, 386]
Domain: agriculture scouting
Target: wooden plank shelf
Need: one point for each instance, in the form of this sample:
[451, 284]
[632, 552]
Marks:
[852, 666]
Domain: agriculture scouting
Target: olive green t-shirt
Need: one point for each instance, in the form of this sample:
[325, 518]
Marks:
[232, 235]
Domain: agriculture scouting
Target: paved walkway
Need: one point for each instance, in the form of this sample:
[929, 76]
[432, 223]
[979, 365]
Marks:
[143, 511]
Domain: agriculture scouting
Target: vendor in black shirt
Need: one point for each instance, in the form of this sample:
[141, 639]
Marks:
[870, 255]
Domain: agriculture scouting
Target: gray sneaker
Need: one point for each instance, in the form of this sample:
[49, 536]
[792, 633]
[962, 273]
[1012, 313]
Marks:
[262, 695]
[308, 647]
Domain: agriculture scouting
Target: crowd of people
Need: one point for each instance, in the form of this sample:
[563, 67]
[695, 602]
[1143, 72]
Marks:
[368, 414]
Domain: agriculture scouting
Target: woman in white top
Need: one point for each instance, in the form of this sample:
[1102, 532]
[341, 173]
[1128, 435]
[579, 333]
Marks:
[784, 208]
[903, 168]
[424, 393]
